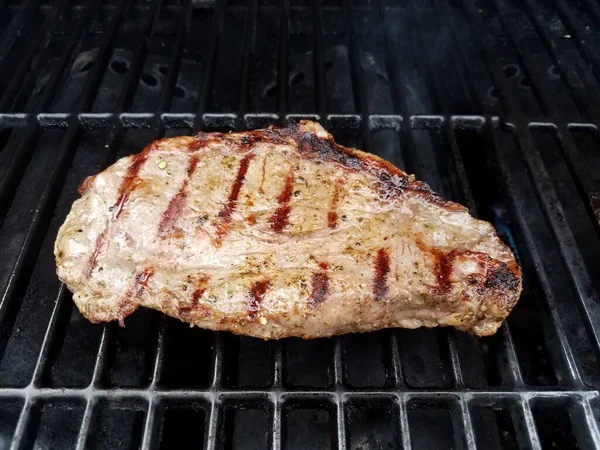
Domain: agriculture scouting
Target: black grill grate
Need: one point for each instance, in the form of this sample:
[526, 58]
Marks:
[496, 104]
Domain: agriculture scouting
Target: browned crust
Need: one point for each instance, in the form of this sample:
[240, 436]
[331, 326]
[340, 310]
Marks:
[393, 182]
[500, 286]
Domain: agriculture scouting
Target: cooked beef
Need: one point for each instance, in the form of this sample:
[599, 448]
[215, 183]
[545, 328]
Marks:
[280, 232]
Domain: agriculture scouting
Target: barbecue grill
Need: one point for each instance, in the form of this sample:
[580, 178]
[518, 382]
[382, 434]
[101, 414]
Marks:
[496, 104]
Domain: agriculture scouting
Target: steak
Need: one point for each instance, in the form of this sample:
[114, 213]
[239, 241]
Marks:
[280, 232]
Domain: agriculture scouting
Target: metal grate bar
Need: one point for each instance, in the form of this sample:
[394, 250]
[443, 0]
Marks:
[319, 62]
[13, 29]
[276, 434]
[166, 94]
[590, 421]
[22, 424]
[393, 69]
[212, 438]
[397, 372]
[212, 425]
[282, 107]
[581, 171]
[513, 369]
[40, 365]
[455, 361]
[526, 61]
[468, 435]
[52, 188]
[135, 68]
[17, 164]
[585, 175]
[338, 376]
[426, 63]
[558, 331]
[457, 373]
[546, 193]
[94, 384]
[465, 425]
[328, 395]
[404, 424]
[448, 127]
[441, 100]
[49, 194]
[358, 85]
[150, 421]
[578, 36]
[211, 61]
[520, 214]
[248, 47]
[530, 439]
[581, 92]
[86, 421]
[399, 91]
[21, 427]
[507, 97]
[113, 143]
[44, 36]
[278, 365]
[461, 64]
[182, 120]
[340, 415]
[282, 59]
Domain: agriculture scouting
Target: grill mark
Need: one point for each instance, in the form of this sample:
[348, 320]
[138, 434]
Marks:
[195, 299]
[129, 182]
[393, 183]
[442, 267]
[257, 294]
[129, 303]
[263, 175]
[177, 203]
[280, 219]
[320, 289]
[442, 271]
[125, 190]
[332, 215]
[382, 269]
[195, 304]
[93, 262]
[224, 225]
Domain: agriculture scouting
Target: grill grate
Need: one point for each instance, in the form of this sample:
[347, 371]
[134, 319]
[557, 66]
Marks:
[495, 104]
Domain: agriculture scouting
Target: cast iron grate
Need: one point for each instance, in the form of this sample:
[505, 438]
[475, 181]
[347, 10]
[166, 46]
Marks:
[496, 104]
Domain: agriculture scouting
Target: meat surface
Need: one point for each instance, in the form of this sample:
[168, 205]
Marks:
[280, 232]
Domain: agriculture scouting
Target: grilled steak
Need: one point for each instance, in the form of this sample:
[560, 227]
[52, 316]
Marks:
[280, 232]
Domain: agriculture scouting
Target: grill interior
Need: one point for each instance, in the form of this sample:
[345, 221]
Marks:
[494, 103]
